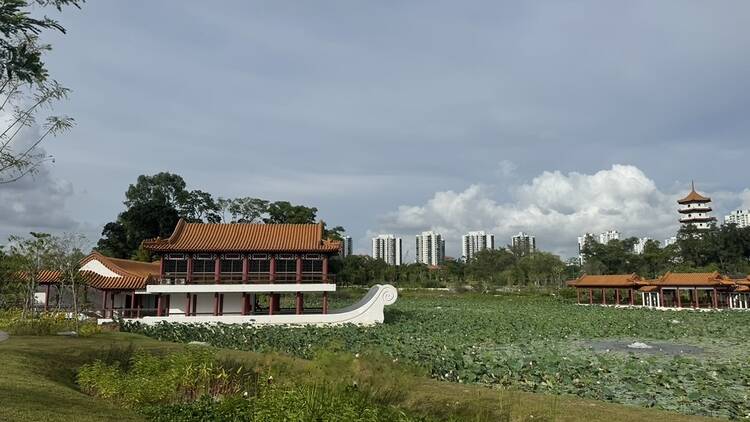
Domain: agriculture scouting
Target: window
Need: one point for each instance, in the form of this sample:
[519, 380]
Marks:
[286, 263]
[175, 263]
[204, 266]
[312, 265]
[231, 267]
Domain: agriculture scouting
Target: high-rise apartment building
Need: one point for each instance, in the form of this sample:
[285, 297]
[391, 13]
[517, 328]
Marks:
[388, 248]
[473, 242]
[605, 237]
[739, 217]
[525, 243]
[430, 248]
[640, 245]
[670, 241]
[346, 246]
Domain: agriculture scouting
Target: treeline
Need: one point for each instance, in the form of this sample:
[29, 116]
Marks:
[155, 203]
[723, 248]
[489, 269]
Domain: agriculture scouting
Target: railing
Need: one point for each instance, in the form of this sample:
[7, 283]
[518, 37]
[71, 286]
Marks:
[252, 278]
[130, 312]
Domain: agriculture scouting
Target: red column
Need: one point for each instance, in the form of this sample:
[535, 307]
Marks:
[661, 297]
[604, 296]
[216, 304]
[243, 307]
[158, 304]
[271, 304]
[187, 304]
[325, 268]
[617, 296]
[245, 268]
[578, 296]
[591, 296]
[161, 267]
[217, 269]
[190, 268]
[298, 307]
[630, 294]
[46, 298]
[325, 302]
[299, 269]
[104, 303]
[714, 298]
[272, 269]
[695, 297]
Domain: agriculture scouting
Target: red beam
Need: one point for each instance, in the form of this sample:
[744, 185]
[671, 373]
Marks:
[272, 269]
[325, 268]
[245, 268]
[298, 273]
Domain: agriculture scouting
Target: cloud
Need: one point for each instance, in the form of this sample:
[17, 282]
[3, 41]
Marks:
[36, 202]
[554, 206]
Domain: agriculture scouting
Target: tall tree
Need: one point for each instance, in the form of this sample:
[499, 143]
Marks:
[67, 252]
[25, 86]
[283, 212]
[32, 256]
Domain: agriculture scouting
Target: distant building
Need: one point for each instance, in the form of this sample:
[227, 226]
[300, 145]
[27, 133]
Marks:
[602, 238]
[388, 248]
[430, 248]
[695, 209]
[523, 242]
[346, 246]
[670, 241]
[473, 242]
[640, 246]
[739, 217]
[605, 237]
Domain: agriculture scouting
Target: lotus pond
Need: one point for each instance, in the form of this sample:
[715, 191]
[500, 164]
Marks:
[538, 343]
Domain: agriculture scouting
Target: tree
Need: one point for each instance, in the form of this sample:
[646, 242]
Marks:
[283, 212]
[66, 255]
[25, 86]
[32, 255]
[242, 210]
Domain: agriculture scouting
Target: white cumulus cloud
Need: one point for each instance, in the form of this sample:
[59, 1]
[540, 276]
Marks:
[555, 207]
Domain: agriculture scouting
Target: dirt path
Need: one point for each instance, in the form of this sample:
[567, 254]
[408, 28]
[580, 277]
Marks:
[3, 336]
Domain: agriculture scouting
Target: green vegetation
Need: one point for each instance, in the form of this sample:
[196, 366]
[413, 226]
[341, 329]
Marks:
[155, 203]
[532, 343]
[43, 324]
[723, 248]
[39, 373]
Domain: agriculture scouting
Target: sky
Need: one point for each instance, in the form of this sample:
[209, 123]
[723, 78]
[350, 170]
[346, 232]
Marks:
[554, 117]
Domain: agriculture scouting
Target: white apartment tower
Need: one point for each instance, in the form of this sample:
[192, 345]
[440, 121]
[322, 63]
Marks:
[388, 248]
[430, 248]
[640, 245]
[739, 217]
[523, 242]
[695, 209]
[473, 242]
[605, 237]
[346, 246]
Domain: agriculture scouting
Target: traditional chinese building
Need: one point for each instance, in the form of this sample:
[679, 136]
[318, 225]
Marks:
[221, 269]
[672, 290]
[228, 273]
[695, 209]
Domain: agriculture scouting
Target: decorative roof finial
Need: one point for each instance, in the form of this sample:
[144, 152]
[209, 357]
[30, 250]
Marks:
[692, 185]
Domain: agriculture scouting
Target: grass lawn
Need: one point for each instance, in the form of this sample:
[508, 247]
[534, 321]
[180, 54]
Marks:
[37, 384]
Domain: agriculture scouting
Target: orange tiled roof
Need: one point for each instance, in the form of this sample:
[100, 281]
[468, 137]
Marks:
[124, 267]
[200, 237]
[44, 276]
[617, 280]
[693, 279]
[693, 196]
[101, 282]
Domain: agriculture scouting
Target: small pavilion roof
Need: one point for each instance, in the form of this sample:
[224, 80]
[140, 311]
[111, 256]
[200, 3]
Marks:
[713, 279]
[200, 237]
[616, 280]
[693, 196]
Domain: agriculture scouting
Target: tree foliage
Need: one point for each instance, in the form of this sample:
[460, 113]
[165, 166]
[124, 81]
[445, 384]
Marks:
[723, 248]
[154, 205]
[25, 86]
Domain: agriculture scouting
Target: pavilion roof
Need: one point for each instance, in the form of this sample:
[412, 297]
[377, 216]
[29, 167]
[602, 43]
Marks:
[693, 196]
[693, 279]
[200, 237]
[615, 280]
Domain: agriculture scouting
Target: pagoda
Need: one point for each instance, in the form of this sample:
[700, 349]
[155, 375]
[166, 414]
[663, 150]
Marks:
[695, 209]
